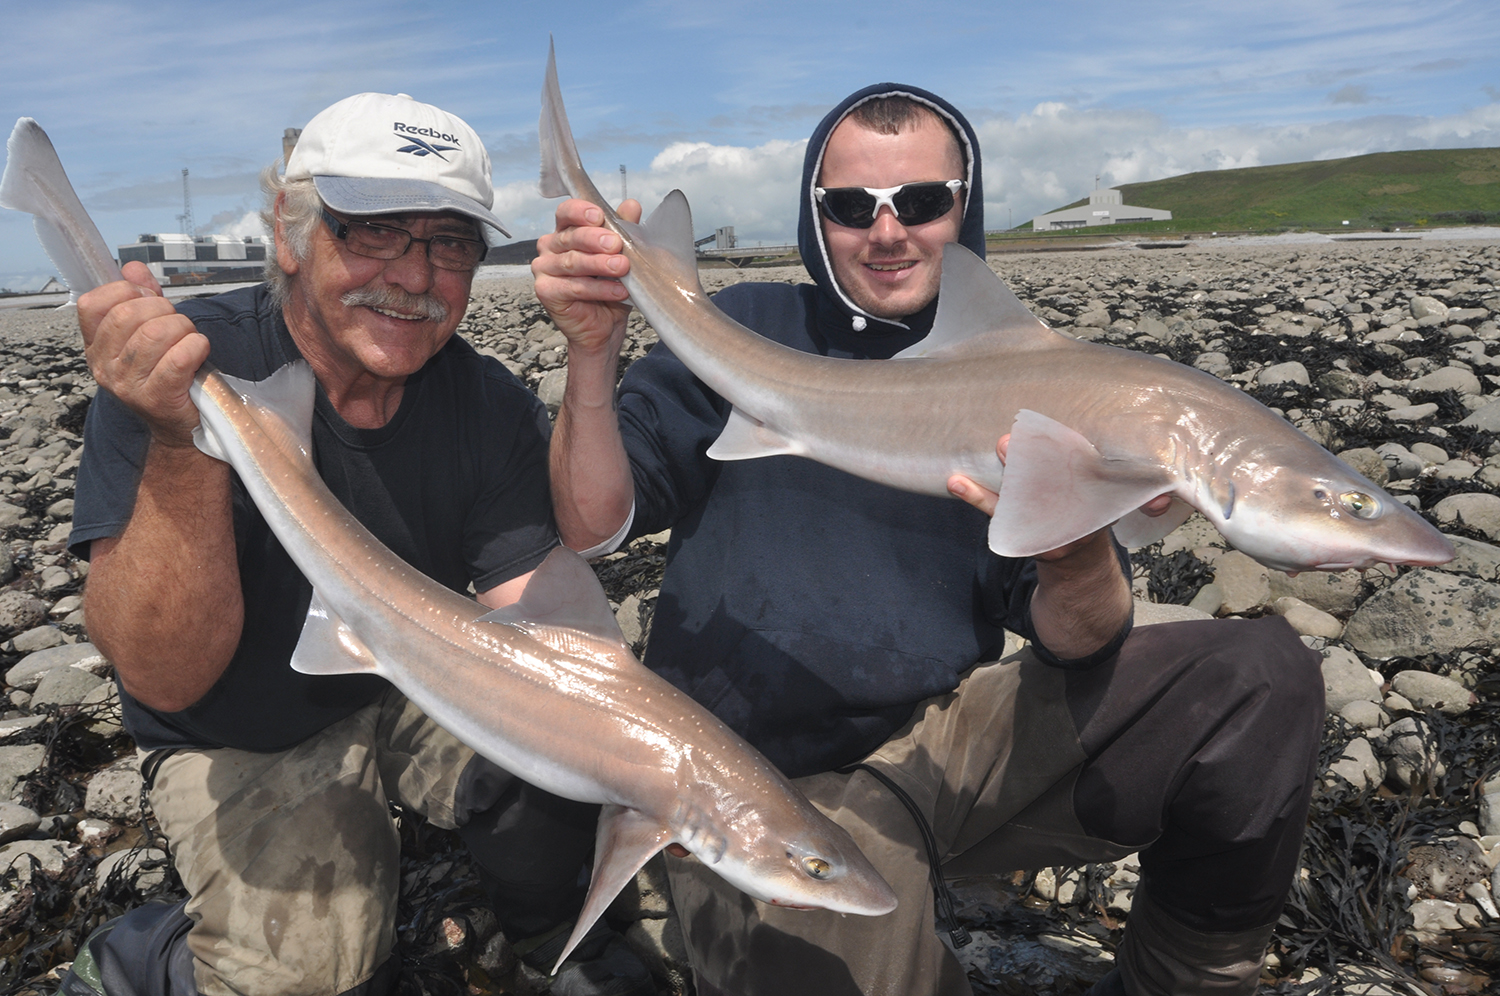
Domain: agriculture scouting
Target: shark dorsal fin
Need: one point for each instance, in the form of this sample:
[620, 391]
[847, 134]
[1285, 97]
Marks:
[282, 404]
[669, 229]
[976, 309]
[564, 607]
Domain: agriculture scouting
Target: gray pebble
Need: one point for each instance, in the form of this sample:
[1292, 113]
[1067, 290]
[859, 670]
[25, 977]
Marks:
[23, 858]
[26, 672]
[1475, 510]
[16, 763]
[1432, 691]
[142, 869]
[64, 686]
[1346, 680]
[115, 793]
[16, 821]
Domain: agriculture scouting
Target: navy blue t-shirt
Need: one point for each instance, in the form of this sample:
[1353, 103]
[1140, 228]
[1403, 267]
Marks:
[455, 484]
[807, 608]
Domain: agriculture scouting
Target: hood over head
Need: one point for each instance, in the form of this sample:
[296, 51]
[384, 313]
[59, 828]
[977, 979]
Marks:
[809, 225]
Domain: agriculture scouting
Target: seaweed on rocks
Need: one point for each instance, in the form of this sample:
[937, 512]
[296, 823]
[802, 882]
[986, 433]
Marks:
[637, 569]
[1171, 579]
[437, 881]
[55, 913]
[1348, 905]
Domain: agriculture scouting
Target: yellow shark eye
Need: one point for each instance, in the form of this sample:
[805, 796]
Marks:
[816, 867]
[1359, 504]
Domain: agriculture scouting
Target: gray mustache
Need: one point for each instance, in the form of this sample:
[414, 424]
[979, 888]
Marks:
[396, 299]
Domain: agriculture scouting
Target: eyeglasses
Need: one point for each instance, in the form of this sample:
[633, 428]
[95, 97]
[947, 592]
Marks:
[913, 203]
[447, 252]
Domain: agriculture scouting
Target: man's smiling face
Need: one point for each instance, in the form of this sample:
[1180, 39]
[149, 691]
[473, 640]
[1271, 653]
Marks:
[889, 269]
[378, 318]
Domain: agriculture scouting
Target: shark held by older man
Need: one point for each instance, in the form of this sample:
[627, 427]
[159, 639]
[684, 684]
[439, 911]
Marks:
[545, 688]
[1096, 432]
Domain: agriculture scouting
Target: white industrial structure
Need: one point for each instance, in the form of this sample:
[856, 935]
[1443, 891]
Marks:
[182, 259]
[1105, 207]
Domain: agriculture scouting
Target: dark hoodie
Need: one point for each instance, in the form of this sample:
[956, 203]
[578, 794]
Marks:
[809, 609]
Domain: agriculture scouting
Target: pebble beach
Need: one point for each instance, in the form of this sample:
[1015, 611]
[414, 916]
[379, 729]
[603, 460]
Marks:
[1385, 352]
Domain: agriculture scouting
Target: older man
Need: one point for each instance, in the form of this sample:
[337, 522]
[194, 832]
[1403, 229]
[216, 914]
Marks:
[836, 624]
[274, 787]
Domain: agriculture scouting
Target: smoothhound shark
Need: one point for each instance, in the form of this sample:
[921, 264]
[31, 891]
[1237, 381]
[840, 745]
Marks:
[1096, 431]
[545, 688]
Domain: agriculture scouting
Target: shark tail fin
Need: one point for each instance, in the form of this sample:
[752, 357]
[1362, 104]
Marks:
[36, 183]
[627, 840]
[562, 168]
[669, 230]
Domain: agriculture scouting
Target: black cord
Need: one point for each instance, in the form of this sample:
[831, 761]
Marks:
[942, 895]
[149, 768]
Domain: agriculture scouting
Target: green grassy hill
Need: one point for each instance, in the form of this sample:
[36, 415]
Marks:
[1381, 190]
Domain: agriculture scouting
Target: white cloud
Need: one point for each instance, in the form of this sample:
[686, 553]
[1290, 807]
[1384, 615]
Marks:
[753, 188]
[247, 224]
[1033, 163]
[1049, 156]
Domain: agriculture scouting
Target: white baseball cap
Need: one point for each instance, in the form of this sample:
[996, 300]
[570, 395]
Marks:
[381, 153]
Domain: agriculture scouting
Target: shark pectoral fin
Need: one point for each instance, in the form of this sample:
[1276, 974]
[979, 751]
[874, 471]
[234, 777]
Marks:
[975, 305]
[744, 438]
[1137, 529]
[627, 840]
[327, 646]
[564, 607]
[1058, 488]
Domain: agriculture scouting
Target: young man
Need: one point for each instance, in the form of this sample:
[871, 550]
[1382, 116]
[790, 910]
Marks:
[834, 622]
[274, 787]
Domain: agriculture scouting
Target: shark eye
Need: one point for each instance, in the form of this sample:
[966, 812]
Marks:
[816, 867]
[1359, 504]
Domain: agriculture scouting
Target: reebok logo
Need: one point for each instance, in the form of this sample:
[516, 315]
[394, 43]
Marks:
[416, 145]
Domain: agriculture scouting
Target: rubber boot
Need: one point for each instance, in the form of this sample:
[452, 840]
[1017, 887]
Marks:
[1161, 956]
[141, 953]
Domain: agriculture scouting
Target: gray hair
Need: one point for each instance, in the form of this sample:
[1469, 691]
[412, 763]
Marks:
[301, 213]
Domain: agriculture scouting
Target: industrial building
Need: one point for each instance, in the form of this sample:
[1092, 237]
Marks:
[182, 259]
[1105, 207]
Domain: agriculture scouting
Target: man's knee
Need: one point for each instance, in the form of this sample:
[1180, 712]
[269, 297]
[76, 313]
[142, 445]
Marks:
[1268, 654]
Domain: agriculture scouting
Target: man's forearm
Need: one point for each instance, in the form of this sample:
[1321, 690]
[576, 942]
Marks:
[1081, 601]
[163, 600]
[592, 489]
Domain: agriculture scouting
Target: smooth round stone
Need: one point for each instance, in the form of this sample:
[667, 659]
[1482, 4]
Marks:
[1363, 714]
[1307, 620]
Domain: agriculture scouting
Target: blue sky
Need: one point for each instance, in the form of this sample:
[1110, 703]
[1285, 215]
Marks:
[718, 99]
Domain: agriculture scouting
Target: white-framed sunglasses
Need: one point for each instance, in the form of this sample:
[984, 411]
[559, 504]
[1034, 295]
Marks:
[912, 203]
